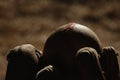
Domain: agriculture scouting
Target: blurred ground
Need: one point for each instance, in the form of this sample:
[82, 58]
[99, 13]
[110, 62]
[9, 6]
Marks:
[31, 21]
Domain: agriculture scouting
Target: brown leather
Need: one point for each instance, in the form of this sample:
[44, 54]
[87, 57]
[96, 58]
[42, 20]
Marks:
[22, 63]
[109, 63]
[88, 65]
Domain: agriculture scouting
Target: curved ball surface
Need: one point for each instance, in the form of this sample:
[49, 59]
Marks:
[62, 45]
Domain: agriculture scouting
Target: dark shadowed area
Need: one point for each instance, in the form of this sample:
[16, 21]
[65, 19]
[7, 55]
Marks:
[32, 21]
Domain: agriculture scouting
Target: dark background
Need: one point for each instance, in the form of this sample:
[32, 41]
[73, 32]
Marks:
[32, 21]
